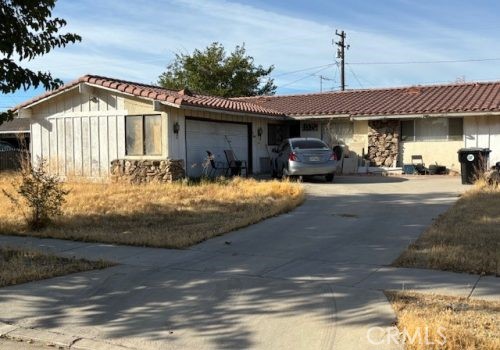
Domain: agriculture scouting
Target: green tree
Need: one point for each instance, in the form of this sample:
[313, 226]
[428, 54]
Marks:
[212, 72]
[28, 30]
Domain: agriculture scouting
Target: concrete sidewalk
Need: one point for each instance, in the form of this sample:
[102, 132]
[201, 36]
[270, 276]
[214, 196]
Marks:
[310, 279]
[225, 262]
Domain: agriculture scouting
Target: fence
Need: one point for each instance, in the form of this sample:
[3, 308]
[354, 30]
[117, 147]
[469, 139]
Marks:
[11, 160]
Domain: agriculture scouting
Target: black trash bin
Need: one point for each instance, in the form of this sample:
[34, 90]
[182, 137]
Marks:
[472, 161]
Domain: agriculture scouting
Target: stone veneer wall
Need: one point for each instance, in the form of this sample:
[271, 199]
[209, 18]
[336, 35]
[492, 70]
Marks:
[143, 171]
[383, 142]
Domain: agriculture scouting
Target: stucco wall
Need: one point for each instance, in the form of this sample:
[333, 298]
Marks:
[360, 137]
[442, 152]
[357, 144]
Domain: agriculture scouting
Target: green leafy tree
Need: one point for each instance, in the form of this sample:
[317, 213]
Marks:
[212, 72]
[28, 30]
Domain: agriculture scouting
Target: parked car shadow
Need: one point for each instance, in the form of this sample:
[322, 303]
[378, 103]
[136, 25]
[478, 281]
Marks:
[356, 179]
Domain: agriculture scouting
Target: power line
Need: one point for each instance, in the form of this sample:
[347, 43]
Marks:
[426, 62]
[336, 73]
[300, 79]
[303, 70]
[355, 76]
[321, 78]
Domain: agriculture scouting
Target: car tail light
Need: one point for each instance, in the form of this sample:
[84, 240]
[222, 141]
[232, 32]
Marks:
[333, 156]
[292, 157]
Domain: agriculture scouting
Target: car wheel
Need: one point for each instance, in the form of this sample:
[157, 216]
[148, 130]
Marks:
[329, 177]
[274, 174]
[284, 174]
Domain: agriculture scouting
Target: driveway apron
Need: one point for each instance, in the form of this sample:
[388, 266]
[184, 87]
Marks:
[302, 280]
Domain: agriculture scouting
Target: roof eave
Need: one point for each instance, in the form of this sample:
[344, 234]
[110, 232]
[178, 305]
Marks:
[46, 98]
[318, 116]
[226, 111]
[425, 115]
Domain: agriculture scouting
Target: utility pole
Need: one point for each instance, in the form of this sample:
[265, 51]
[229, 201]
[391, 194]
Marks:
[341, 55]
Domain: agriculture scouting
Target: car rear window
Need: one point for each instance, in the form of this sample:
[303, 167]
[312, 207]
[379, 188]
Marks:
[308, 144]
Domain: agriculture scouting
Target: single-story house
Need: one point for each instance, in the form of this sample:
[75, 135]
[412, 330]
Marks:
[387, 126]
[83, 126]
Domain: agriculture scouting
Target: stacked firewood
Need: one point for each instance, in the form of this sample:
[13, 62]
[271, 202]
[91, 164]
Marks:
[143, 171]
[383, 142]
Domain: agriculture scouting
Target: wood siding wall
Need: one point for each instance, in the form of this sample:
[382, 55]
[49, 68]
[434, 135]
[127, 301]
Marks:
[483, 131]
[78, 135]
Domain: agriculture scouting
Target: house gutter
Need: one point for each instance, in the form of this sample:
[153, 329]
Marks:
[319, 116]
[15, 132]
[426, 115]
[396, 116]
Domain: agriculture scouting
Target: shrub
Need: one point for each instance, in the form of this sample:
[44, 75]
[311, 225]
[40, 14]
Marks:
[39, 195]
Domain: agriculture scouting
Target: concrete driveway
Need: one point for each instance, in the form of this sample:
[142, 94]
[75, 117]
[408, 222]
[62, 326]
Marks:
[304, 280]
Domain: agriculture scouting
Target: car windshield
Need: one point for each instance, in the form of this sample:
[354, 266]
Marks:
[309, 144]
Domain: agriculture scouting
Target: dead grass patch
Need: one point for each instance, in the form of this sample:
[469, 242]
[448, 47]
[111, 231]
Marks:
[465, 324]
[25, 265]
[173, 215]
[464, 239]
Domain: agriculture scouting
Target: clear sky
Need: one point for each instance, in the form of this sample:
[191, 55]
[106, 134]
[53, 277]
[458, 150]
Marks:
[135, 40]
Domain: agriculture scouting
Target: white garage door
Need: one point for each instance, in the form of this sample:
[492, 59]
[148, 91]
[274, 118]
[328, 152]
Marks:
[203, 136]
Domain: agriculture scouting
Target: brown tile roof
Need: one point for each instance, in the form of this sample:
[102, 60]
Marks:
[16, 125]
[179, 98]
[463, 97]
[451, 98]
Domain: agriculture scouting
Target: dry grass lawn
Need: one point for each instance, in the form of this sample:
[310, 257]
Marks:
[22, 265]
[174, 215]
[465, 324]
[464, 239]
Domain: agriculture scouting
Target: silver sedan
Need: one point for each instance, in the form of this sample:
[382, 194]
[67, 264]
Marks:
[304, 157]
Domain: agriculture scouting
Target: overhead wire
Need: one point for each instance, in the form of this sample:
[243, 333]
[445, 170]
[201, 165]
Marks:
[355, 75]
[425, 62]
[303, 78]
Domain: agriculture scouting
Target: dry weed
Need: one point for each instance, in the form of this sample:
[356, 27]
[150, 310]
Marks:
[23, 265]
[464, 239]
[173, 215]
[465, 324]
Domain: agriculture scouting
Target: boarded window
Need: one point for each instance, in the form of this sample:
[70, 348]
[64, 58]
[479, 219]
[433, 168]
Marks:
[152, 134]
[134, 139]
[143, 135]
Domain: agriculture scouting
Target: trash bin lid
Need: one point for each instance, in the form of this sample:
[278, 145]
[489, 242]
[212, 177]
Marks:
[474, 150]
